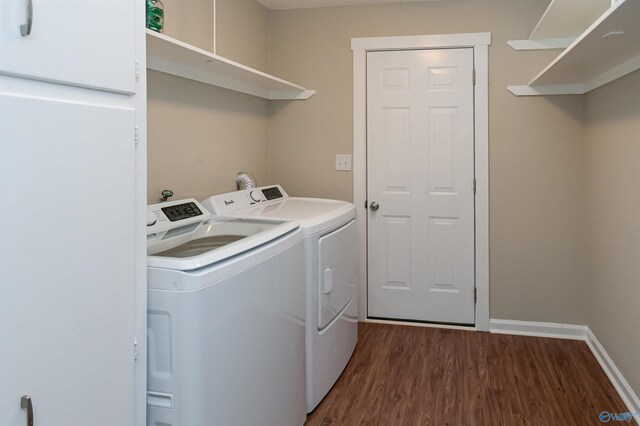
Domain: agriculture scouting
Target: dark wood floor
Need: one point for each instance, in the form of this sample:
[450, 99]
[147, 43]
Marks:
[403, 375]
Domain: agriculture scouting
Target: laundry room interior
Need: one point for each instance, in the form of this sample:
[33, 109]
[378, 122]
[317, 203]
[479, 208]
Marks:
[385, 212]
[562, 169]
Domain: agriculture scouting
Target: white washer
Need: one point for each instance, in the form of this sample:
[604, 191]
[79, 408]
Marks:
[225, 319]
[331, 312]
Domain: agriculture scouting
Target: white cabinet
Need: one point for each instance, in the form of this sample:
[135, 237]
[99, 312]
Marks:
[72, 205]
[67, 256]
[86, 43]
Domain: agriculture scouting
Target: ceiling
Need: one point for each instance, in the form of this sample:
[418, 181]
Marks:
[301, 4]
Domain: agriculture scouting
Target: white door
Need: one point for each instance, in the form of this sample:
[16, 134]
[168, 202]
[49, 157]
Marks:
[420, 175]
[67, 261]
[86, 43]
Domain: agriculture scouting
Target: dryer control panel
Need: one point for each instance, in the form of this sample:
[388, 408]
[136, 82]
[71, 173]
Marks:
[225, 203]
[174, 214]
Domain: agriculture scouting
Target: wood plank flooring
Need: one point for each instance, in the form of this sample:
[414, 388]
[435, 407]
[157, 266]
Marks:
[404, 375]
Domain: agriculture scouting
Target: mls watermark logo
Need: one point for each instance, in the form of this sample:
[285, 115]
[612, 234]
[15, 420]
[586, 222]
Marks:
[606, 417]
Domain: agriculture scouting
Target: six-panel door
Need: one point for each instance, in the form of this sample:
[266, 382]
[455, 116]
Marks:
[420, 171]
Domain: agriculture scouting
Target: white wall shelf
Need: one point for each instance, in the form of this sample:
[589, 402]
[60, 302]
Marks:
[171, 56]
[541, 44]
[561, 24]
[607, 50]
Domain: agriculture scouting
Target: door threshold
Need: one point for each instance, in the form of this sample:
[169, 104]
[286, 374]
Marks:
[414, 323]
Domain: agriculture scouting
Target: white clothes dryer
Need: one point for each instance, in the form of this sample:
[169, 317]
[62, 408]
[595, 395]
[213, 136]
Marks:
[225, 319]
[331, 312]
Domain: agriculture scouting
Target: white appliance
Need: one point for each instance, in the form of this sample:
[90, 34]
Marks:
[331, 312]
[225, 319]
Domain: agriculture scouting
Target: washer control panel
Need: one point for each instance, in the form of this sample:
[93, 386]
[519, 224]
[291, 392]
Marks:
[174, 214]
[272, 193]
[232, 201]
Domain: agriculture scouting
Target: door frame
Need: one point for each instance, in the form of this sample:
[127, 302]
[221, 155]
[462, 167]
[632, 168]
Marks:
[480, 43]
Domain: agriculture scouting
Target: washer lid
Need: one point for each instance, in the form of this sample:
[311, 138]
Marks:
[313, 214]
[201, 244]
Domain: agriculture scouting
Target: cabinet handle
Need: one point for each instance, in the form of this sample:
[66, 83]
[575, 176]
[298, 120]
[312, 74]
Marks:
[25, 29]
[25, 403]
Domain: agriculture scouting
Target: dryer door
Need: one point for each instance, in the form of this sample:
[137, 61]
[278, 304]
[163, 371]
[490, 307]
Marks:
[336, 272]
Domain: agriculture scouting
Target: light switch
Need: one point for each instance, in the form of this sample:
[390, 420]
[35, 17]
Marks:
[343, 162]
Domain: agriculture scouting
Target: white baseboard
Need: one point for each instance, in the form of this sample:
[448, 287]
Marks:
[619, 382]
[538, 329]
[574, 332]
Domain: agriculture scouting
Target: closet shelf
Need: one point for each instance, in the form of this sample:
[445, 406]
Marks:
[171, 56]
[607, 50]
[562, 22]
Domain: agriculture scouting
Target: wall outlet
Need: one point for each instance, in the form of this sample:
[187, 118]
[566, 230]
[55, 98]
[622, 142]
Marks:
[343, 162]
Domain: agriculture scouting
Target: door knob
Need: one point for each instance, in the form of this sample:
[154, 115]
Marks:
[374, 206]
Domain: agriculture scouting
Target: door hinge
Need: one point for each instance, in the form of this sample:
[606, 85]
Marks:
[137, 70]
[475, 295]
[135, 350]
[474, 186]
[137, 135]
[473, 77]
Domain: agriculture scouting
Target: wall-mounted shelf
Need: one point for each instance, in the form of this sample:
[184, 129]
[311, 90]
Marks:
[561, 24]
[171, 56]
[607, 50]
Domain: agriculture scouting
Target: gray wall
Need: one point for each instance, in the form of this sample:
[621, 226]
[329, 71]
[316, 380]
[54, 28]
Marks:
[613, 221]
[200, 136]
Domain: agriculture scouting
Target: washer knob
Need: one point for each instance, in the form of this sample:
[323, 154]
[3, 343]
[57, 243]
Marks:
[151, 218]
[253, 197]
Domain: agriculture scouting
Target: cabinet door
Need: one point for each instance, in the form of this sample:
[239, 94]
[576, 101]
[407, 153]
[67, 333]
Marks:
[66, 262]
[85, 43]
